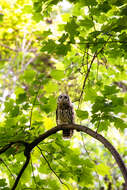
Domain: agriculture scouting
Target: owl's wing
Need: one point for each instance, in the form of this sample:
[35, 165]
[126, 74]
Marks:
[71, 114]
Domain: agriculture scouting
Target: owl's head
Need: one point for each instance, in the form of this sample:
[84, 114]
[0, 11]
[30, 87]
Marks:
[63, 99]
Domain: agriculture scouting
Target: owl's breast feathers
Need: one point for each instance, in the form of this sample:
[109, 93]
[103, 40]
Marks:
[64, 114]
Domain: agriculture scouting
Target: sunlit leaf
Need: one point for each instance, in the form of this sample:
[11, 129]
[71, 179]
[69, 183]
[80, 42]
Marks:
[82, 114]
[57, 74]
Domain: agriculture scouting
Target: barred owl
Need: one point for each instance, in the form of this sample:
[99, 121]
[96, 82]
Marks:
[65, 114]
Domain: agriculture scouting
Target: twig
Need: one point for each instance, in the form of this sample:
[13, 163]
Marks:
[87, 58]
[88, 71]
[95, 43]
[6, 147]
[7, 168]
[86, 76]
[83, 57]
[52, 169]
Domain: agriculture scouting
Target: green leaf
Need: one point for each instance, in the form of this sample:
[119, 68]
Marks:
[62, 49]
[71, 27]
[37, 16]
[85, 188]
[57, 74]
[14, 111]
[104, 6]
[89, 2]
[103, 170]
[21, 98]
[48, 46]
[86, 23]
[119, 123]
[27, 9]
[63, 38]
[28, 75]
[103, 126]
[3, 183]
[8, 105]
[37, 6]
[108, 90]
[90, 94]
[51, 87]
[46, 33]
[82, 114]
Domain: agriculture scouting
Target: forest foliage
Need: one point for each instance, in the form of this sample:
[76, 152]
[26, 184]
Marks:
[52, 47]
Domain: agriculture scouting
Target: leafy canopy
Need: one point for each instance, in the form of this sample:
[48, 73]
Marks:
[76, 47]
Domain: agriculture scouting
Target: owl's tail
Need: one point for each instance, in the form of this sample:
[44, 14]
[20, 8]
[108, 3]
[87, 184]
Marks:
[67, 133]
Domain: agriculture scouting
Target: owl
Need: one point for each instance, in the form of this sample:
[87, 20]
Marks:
[65, 114]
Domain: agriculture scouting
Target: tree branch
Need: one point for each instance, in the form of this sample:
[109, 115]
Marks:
[21, 172]
[6, 147]
[90, 132]
[104, 141]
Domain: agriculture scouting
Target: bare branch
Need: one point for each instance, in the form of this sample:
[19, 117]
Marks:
[88, 70]
[21, 172]
[6, 147]
[86, 76]
[109, 42]
[51, 168]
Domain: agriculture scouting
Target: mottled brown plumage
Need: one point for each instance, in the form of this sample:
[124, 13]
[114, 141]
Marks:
[65, 114]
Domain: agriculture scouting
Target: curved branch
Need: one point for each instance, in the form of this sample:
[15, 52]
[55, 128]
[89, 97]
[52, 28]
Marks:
[104, 141]
[90, 132]
[21, 172]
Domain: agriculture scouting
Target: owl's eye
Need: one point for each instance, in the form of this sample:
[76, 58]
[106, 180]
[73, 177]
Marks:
[60, 97]
[65, 97]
